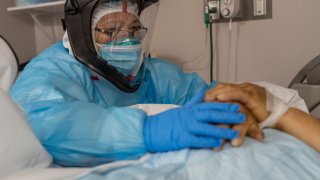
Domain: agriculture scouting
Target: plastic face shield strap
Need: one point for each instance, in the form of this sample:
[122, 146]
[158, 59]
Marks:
[78, 15]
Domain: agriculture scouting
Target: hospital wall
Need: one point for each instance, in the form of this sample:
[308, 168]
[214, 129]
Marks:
[18, 31]
[51, 23]
[270, 50]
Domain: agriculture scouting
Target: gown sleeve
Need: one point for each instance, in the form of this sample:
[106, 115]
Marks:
[171, 85]
[56, 93]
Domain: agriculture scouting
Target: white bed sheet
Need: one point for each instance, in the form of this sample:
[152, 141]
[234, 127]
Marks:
[280, 156]
[58, 173]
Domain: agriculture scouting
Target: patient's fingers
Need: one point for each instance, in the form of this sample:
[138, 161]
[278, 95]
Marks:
[255, 132]
[252, 96]
[219, 148]
[248, 128]
[243, 128]
[241, 92]
[212, 94]
[227, 92]
[223, 141]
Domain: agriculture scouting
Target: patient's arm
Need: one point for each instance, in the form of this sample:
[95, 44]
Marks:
[302, 126]
[294, 121]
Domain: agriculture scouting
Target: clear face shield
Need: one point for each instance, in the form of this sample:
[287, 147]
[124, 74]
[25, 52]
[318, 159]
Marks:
[119, 37]
[108, 37]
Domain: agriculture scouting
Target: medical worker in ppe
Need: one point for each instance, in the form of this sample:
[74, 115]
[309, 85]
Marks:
[76, 94]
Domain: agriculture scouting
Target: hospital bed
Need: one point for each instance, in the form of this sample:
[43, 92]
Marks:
[307, 82]
[279, 156]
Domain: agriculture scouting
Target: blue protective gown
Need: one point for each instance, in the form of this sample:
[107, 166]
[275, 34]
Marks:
[86, 122]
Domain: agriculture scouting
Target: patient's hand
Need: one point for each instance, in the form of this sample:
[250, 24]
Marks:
[252, 99]
[294, 121]
[250, 95]
[248, 128]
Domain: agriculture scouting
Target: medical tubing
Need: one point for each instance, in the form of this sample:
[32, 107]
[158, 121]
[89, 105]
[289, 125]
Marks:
[277, 108]
[229, 54]
[206, 14]
[211, 54]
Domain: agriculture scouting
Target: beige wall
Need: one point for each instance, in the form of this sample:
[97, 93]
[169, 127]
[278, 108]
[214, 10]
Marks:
[271, 50]
[52, 25]
[18, 29]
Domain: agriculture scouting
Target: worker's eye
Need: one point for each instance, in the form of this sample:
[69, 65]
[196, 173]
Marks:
[136, 27]
[110, 30]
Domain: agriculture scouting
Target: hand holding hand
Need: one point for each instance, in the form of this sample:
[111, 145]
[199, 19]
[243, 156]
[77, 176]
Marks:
[191, 126]
[250, 127]
[250, 95]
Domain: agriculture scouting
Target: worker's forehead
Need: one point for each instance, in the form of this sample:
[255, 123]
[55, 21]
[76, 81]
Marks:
[119, 16]
[118, 19]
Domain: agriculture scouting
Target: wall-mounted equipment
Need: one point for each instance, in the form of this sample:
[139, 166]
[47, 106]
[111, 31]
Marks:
[259, 7]
[238, 10]
[211, 11]
[230, 8]
[214, 9]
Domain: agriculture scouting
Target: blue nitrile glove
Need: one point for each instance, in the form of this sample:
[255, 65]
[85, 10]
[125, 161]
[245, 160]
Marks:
[198, 98]
[191, 126]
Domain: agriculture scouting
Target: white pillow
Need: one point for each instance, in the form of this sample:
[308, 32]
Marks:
[19, 147]
[8, 66]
